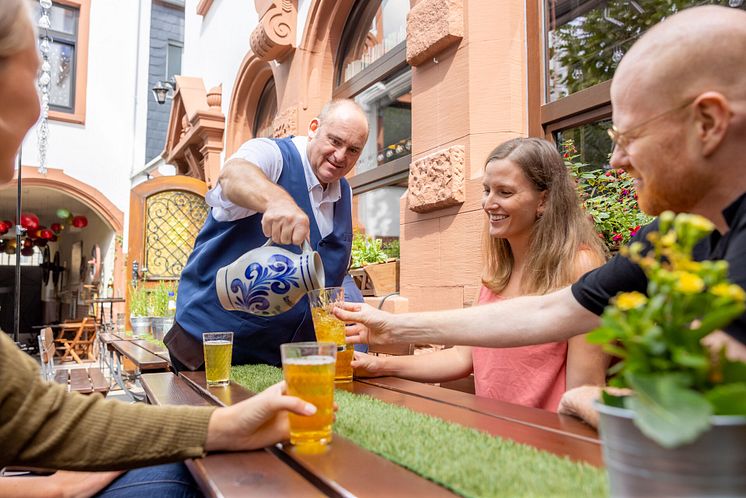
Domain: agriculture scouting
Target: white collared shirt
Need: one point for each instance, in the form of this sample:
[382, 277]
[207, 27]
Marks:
[265, 153]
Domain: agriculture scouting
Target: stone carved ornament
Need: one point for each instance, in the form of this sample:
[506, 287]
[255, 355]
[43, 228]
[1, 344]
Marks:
[274, 36]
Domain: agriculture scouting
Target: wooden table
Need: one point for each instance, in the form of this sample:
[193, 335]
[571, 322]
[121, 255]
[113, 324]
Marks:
[143, 359]
[348, 470]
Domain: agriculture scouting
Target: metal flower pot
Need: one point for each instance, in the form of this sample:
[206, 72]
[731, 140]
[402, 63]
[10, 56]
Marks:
[161, 325]
[713, 465]
[140, 324]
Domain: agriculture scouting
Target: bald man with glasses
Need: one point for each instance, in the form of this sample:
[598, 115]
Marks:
[679, 110]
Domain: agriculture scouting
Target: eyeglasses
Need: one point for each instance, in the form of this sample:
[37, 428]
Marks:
[622, 139]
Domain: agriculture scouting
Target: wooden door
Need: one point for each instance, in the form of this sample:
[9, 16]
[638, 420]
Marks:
[166, 214]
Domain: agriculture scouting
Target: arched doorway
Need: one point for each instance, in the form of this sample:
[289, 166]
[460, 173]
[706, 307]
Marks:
[86, 259]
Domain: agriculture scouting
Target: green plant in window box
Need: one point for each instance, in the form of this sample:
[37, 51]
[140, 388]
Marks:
[677, 382]
[609, 198]
[139, 301]
[380, 269]
[367, 250]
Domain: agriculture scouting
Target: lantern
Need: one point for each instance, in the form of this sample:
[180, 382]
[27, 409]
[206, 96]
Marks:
[63, 213]
[29, 221]
[80, 221]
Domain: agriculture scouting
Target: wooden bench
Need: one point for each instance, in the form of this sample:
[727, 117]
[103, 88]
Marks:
[83, 380]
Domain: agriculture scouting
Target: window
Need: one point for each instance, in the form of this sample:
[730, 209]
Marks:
[584, 40]
[372, 70]
[67, 38]
[266, 110]
[173, 59]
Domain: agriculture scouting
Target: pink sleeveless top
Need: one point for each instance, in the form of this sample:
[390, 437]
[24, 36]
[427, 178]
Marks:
[529, 375]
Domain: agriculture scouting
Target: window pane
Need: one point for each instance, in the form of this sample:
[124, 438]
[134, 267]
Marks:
[586, 39]
[266, 111]
[379, 27]
[62, 19]
[62, 61]
[378, 212]
[173, 61]
[591, 141]
[388, 106]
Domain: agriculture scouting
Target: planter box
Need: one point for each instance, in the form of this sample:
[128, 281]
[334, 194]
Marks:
[713, 465]
[377, 280]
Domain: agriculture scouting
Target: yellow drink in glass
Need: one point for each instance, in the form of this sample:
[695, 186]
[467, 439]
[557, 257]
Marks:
[218, 350]
[308, 368]
[329, 328]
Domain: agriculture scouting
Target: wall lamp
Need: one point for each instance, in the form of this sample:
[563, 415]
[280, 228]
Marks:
[161, 90]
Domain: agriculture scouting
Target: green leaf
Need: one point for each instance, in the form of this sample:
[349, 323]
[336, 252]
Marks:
[733, 371]
[716, 319]
[687, 359]
[728, 399]
[601, 335]
[611, 400]
[667, 411]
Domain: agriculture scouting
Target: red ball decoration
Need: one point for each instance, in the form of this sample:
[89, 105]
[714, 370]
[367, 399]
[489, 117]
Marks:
[29, 221]
[27, 251]
[8, 224]
[56, 228]
[28, 243]
[53, 239]
[40, 242]
[46, 234]
[80, 221]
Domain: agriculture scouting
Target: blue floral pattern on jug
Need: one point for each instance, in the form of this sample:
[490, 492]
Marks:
[278, 276]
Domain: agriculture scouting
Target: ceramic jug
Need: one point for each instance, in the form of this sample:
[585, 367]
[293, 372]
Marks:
[269, 280]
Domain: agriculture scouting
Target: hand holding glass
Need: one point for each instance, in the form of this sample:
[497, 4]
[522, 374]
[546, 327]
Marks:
[308, 368]
[329, 328]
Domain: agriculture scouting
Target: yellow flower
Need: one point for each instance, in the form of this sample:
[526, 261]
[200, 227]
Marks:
[630, 300]
[689, 283]
[732, 291]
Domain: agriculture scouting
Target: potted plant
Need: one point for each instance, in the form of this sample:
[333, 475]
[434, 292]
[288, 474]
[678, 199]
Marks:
[162, 320]
[139, 301]
[608, 196]
[681, 431]
[379, 269]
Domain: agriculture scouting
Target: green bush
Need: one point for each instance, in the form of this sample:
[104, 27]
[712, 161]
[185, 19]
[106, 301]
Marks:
[609, 197]
[159, 297]
[139, 301]
[366, 250]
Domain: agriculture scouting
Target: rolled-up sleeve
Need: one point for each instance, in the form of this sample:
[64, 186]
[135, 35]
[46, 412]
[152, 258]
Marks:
[266, 155]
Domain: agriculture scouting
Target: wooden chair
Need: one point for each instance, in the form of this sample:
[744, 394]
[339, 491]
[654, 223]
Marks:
[76, 339]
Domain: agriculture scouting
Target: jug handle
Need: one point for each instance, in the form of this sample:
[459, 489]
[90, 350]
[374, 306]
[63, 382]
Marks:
[306, 247]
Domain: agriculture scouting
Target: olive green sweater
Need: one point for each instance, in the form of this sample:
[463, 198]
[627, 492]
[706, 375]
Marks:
[42, 425]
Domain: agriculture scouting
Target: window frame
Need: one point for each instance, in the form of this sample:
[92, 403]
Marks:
[545, 118]
[80, 73]
[169, 44]
[393, 61]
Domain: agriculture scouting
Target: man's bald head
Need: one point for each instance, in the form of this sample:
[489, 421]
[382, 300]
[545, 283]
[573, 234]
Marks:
[696, 50]
[345, 109]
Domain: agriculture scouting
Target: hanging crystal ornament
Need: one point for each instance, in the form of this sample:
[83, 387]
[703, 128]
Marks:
[45, 78]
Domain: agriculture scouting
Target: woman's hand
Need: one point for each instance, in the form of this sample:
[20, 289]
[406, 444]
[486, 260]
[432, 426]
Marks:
[256, 422]
[369, 325]
[367, 365]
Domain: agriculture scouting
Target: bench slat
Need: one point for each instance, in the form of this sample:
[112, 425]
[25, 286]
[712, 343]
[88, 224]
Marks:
[79, 381]
[99, 383]
[60, 377]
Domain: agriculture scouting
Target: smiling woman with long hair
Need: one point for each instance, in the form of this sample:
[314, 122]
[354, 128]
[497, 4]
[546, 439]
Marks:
[537, 239]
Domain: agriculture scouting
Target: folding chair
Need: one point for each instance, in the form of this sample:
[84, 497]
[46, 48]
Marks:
[81, 343]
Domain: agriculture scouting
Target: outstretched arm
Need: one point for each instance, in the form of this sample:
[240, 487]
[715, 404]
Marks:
[439, 366]
[245, 184]
[513, 322]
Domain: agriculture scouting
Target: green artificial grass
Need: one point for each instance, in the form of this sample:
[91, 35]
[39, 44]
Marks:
[466, 461]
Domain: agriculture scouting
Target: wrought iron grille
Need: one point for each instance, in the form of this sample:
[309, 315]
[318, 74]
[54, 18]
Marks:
[172, 221]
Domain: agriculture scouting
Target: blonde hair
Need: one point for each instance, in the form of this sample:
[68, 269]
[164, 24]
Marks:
[558, 234]
[13, 31]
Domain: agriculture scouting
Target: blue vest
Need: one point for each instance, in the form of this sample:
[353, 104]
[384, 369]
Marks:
[257, 339]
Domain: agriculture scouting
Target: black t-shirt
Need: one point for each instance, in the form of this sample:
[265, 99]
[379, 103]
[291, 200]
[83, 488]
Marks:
[594, 289]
